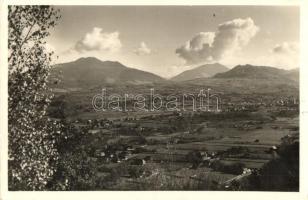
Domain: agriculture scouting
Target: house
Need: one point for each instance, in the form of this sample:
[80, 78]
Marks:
[205, 156]
[94, 131]
[247, 171]
[100, 153]
[273, 151]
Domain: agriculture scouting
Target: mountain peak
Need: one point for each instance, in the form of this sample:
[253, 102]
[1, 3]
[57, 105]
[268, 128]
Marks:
[203, 71]
[87, 59]
[251, 71]
[90, 71]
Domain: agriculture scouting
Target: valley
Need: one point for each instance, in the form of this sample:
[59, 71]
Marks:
[180, 150]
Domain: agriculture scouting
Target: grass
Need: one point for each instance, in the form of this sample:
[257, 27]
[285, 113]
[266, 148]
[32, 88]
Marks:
[183, 179]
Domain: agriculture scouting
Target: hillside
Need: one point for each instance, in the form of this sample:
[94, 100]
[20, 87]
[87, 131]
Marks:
[257, 72]
[90, 71]
[293, 74]
[252, 79]
[203, 71]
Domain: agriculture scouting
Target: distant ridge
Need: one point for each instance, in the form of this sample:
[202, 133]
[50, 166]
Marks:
[203, 71]
[258, 72]
[251, 79]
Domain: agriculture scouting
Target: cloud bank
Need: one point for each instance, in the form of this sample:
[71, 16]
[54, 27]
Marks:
[143, 49]
[285, 55]
[286, 48]
[97, 40]
[213, 46]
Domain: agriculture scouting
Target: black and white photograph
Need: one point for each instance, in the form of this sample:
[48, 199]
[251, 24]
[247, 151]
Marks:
[152, 98]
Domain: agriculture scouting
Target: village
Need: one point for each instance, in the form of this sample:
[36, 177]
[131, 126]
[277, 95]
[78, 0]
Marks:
[230, 143]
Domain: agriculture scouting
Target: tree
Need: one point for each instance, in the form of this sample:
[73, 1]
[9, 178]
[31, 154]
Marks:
[31, 134]
[279, 174]
[75, 169]
[282, 173]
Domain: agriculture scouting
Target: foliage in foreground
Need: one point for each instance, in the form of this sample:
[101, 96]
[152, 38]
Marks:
[280, 174]
[32, 151]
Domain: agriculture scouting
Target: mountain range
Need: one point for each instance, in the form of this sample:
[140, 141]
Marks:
[90, 72]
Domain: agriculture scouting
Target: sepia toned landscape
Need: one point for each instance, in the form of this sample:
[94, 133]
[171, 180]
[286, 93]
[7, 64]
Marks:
[184, 150]
[220, 118]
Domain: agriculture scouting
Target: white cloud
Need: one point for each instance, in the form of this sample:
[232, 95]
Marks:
[143, 49]
[284, 55]
[194, 50]
[231, 36]
[97, 40]
[286, 48]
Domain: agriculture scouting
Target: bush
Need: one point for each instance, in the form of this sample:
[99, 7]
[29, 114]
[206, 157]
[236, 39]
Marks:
[280, 174]
[236, 168]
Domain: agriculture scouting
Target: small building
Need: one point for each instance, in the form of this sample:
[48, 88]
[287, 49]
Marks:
[247, 171]
[94, 131]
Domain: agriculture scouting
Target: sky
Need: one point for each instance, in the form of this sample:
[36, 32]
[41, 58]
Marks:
[167, 40]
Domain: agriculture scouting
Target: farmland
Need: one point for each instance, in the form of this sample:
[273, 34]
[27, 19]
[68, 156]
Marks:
[179, 150]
